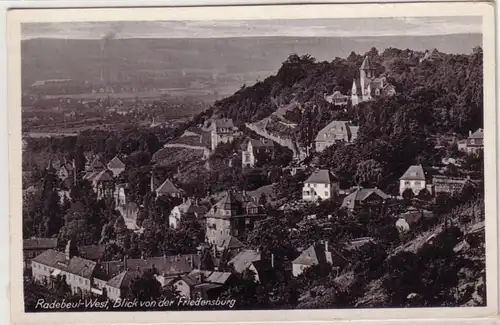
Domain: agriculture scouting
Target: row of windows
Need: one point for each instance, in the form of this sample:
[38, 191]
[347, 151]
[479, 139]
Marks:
[417, 183]
[314, 185]
[69, 276]
[306, 193]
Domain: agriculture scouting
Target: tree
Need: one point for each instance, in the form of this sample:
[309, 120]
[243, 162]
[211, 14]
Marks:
[408, 194]
[424, 195]
[368, 173]
[145, 287]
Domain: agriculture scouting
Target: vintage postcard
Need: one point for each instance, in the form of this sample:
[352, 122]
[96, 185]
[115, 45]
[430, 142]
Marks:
[230, 164]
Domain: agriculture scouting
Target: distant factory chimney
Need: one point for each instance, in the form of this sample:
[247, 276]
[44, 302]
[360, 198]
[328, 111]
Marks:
[104, 56]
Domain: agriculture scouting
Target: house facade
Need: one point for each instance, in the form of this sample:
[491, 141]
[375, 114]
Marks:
[335, 131]
[474, 143]
[116, 166]
[321, 184]
[414, 179]
[368, 86]
[255, 149]
[222, 131]
[233, 215]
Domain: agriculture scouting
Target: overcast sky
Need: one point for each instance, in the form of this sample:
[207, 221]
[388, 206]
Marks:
[255, 28]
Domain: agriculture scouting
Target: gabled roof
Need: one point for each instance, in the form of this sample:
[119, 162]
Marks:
[90, 175]
[103, 176]
[334, 128]
[360, 195]
[96, 164]
[244, 259]
[414, 173]
[322, 176]
[168, 188]
[229, 242]
[477, 135]
[76, 265]
[123, 279]
[367, 64]
[313, 255]
[39, 243]
[116, 163]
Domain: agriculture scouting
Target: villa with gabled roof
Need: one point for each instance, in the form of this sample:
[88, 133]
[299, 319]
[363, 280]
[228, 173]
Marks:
[368, 86]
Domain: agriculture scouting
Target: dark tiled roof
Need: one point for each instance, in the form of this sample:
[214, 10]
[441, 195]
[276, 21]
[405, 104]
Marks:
[39, 243]
[168, 188]
[263, 143]
[76, 265]
[415, 172]
[322, 176]
[360, 195]
[91, 252]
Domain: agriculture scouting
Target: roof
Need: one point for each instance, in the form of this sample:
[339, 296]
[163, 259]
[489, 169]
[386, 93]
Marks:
[414, 173]
[367, 64]
[76, 265]
[310, 256]
[168, 187]
[244, 259]
[116, 163]
[123, 279]
[39, 243]
[477, 135]
[262, 143]
[229, 242]
[360, 195]
[103, 176]
[96, 164]
[236, 202]
[333, 128]
[223, 123]
[90, 175]
[92, 252]
[322, 176]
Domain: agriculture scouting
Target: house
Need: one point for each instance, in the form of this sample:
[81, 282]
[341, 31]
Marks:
[447, 184]
[35, 246]
[168, 188]
[120, 194]
[227, 244]
[233, 215]
[103, 184]
[322, 184]
[253, 261]
[116, 166]
[222, 131]
[414, 179]
[188, 210]
[368, 86]
[334, 132]
[474, 143]
[76, 271]
[316, 254]
[364, 197]
[255, 151]
[203, 284]
[67, 170]
[337, 99]
[117, 286]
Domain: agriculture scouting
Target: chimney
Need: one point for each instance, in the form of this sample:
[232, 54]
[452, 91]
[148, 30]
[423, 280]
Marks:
[470, 133]
[272, 261]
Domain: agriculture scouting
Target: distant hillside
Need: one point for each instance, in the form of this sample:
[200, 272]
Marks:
[221, 65]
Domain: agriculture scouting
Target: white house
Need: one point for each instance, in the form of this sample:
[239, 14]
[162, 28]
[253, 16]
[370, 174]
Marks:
[254, 149]
[413, 178]
[322, 184]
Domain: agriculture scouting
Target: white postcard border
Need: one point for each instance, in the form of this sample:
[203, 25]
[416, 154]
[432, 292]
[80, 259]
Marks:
[16, 17]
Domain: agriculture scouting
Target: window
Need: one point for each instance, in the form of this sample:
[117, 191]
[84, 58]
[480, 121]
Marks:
[327, 185]
[326, 194]
[472, 141]
[314, 185]
[417, 183]
[407, 183]
[80, 280]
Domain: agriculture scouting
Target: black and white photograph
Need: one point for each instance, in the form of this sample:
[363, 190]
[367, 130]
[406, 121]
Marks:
[253, 164]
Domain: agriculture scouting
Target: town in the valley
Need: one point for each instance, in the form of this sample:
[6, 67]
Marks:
[354, 183]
